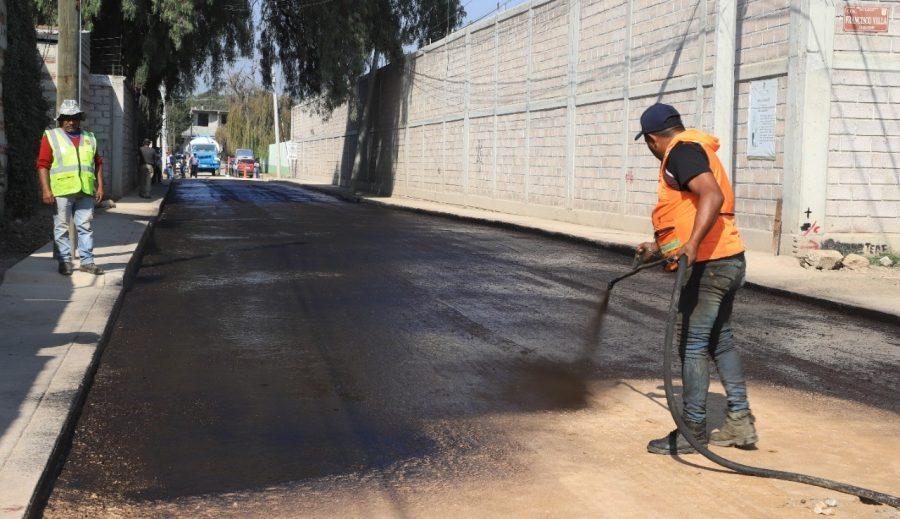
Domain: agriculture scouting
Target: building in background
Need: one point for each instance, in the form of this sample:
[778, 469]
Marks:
[206, 121]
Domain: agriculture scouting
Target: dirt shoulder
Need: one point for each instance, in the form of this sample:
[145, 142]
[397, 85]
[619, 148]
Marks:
[20, 237]
[591, 463]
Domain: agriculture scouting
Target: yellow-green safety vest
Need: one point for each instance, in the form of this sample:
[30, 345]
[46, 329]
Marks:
[72, 170]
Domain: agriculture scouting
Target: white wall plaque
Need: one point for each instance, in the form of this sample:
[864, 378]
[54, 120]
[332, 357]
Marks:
[761, 119]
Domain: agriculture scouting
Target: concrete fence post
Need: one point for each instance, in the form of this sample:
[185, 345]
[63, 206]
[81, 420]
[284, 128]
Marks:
[701, 68]
[117, 152]
[496, 104]
[466, 122]
[807, 124]
[627, 137]
[574, 32]
[407, 93]
[529, 66]
[723, 82]
[445, 109]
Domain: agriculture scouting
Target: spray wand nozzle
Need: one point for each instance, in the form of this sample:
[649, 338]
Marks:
[636, 267]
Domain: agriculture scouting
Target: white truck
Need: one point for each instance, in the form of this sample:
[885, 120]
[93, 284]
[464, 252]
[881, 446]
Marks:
[207, 151]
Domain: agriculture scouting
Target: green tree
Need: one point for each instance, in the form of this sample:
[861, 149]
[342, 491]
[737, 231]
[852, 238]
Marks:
[25, 113]
[323, 46]
[169, 42]
[250, 118]
[178, 113]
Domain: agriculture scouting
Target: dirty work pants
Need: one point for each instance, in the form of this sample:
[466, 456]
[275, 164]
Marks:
[707, 298]
[82, 208]
[145, 179]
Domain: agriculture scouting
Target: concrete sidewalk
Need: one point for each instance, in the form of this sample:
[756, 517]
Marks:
[52, 330]
[875, 292]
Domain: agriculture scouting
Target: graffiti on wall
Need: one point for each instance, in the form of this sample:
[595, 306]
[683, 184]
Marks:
[866, 249]
[810, 235]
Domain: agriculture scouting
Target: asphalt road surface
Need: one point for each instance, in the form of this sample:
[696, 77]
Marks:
[285, 353]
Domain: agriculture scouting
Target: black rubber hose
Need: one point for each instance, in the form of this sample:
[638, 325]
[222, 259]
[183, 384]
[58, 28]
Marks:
[863, 493]
[634, 271]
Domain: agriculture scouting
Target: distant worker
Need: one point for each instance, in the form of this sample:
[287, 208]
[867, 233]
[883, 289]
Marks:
[170, 167]
[148, 158]
[157, 167]
[694, 217]
[195, 165]
[256, 168]
[70, 172]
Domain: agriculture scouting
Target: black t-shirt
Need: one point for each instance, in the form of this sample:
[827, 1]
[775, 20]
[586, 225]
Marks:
[148, 155]
[685, 162]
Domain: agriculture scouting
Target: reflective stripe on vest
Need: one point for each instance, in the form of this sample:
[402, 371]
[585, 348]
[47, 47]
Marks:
[72, 170]
[674, 214]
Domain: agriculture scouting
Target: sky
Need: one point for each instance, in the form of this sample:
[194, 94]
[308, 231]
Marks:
[478, 8]
[475, 9]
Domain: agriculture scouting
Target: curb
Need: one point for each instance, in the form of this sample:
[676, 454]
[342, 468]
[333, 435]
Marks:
[862, 311]
[869, 313]
[336, 192]
[63, 443]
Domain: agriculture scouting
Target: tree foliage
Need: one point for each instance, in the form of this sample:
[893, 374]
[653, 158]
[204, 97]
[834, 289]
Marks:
[323, 46]
[250, 118]
[168, 42]
[25, 113]
[178, 119]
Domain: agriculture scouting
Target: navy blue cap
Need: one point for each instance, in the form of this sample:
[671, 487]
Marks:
[657, 118]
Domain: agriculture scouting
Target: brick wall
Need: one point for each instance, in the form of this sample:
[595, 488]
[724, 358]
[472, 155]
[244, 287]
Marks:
[534, 112]
[863, 196]
[47, 48]
[110, 115]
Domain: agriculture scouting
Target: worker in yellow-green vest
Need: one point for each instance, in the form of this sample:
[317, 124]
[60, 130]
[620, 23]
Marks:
[71, 177]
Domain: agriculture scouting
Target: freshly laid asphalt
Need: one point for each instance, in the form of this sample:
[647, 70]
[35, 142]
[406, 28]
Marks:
[276, 335]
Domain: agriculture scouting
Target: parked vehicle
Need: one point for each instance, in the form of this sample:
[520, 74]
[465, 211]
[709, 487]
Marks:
[207, 150]
[245, 166]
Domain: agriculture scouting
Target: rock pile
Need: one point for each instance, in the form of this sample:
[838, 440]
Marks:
[826, 259]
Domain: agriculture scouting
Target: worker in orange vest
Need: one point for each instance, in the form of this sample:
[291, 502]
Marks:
[694, 217]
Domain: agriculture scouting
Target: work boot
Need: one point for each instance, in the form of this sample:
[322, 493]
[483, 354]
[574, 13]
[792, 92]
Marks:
[65, 268]
[91, 268]
[737, 431]
[675, 443]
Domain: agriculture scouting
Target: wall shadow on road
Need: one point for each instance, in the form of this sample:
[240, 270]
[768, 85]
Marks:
[374, 157]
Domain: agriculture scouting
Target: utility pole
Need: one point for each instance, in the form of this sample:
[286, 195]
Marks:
[68, 51]
[67, 68]
[165, 132]
[80, 46]
[277, 124]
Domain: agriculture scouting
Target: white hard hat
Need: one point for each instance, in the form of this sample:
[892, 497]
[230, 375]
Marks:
[69, 107]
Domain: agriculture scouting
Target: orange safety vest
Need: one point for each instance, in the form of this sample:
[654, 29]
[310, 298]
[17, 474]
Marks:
[674, 214]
